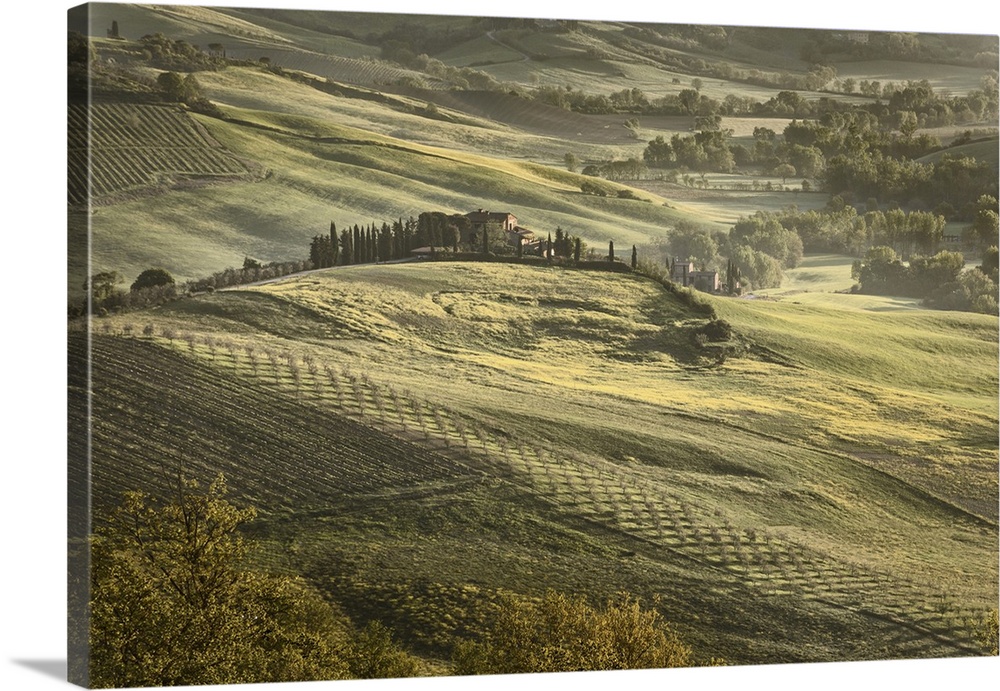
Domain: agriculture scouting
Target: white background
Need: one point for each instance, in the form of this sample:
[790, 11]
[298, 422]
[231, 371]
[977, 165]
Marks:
[32, 337]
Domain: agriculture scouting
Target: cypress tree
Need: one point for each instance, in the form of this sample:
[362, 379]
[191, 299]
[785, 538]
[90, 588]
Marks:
[548, 254]
[611, 250]
[635, 257]
[346, 248]
[576, 251]
[333, 244]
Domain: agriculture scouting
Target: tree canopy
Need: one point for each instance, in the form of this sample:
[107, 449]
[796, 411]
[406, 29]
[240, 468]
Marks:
[173, 603]
[559, 633]
[151, 278]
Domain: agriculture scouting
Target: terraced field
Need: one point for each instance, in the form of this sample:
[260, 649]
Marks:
[135, 147]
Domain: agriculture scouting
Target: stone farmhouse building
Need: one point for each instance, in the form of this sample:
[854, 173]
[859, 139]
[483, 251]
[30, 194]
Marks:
[683, 272]
[506, 221]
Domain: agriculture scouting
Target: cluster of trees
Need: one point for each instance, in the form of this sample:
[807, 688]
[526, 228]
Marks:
[186, 89]
[953, 183]
[449, 233]
[852, 153]
[170, 54]
[941, 280]
[629, 169]
[175, 600]
[372, 243]
[151, 287]
[763, 245]
[707, 150]
[912, 104]
[841, 228]
[956, 49]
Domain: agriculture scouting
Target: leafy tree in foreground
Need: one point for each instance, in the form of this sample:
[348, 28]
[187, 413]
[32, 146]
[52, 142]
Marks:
[563, 634]
[171, 603]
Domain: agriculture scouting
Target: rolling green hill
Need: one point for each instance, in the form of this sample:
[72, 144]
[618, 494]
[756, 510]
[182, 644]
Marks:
[434, 434]
[422, 438]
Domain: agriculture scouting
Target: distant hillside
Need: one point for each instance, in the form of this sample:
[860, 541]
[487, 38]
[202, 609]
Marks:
[984, 151]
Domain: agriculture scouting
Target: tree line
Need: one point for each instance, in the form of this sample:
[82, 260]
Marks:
[850, 154]
[157, 286]
[940, 280]
[763, 245]
[451, 235]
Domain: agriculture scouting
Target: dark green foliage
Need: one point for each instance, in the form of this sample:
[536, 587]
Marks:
[629, 169]
[939, 279]
[957, 181]
[635, 257]
[985, 222]
[346, 247]
[658, 153]
[152, 278]
[179, 88]
[734, 280]
[170, 54]
[611, 250]
[102, 285]
[692, 242]
[971, 291]
[717, 330]
[594, 188]
[991, 264]
[323, 250]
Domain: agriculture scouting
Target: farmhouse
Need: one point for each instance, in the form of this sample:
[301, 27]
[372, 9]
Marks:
[505, 221]
[479, 220]
[683, 272]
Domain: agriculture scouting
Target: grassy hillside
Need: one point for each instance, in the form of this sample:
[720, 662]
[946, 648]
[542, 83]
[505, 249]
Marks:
[566, 431]
[422, 438]
[313, 169]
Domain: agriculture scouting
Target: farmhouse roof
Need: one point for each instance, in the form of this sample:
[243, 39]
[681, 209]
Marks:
[483, 216]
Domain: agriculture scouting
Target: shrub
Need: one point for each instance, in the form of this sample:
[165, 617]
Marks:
[717, 330]
[561, 634]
